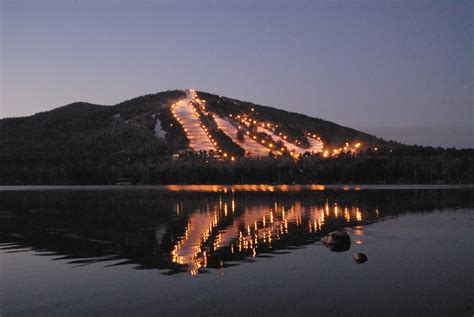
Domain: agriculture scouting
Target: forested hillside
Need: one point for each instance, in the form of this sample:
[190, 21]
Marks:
[158, 139]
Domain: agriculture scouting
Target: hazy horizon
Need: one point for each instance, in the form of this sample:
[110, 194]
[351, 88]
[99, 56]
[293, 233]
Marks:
[402, 69]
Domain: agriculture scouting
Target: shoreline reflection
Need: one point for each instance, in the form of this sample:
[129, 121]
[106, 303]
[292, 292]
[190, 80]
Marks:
[216, 235]
[194, 232]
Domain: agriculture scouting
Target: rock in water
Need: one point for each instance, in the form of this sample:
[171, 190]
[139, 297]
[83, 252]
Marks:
[360, 258]
[337, 241]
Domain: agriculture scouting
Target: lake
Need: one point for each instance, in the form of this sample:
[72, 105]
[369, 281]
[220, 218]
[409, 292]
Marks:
[236, 250]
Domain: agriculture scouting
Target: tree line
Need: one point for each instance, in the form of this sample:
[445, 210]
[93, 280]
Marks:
[448, 167]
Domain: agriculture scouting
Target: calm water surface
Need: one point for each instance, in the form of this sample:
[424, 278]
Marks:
[250, 249]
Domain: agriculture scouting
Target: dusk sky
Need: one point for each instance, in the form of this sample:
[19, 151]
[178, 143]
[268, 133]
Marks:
[388, 67]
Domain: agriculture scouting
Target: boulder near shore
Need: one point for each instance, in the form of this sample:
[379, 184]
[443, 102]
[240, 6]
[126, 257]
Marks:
[360, 258]
[337, 241]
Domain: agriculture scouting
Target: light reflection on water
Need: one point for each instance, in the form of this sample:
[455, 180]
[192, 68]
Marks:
[217, 229]
[199, 229]
[249, 188]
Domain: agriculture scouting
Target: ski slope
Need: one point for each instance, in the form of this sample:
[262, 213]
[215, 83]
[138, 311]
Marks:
[199, 141]
[315, 145]
[250, 146]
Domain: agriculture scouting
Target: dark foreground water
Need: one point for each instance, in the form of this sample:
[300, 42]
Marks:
[235, 251]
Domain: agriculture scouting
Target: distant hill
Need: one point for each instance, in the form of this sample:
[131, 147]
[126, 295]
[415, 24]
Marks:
[86, 131]
[87, 143]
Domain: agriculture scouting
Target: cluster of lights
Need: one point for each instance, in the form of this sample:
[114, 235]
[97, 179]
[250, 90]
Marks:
[272, 224]
[173, 112]
[268, 144]
[245, 119]
[198, 257]
[271, 127]
[346, 149]
[266, 125]
[201, 103]
[317, 138]
[271, 145]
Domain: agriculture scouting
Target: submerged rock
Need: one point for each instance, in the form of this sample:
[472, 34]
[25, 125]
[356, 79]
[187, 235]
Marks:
[337, 241]
[360, 258]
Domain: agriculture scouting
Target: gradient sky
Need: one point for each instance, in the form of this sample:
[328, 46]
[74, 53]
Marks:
[365, 64]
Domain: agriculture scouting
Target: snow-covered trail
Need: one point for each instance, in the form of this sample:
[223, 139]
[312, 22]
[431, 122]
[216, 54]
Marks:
[199, 141]
[315, 145]
[158, 130]
[250, 145]
[289, 146]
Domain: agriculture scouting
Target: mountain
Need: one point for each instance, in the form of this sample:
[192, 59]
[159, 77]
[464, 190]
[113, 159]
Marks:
[82, 130]
[87, 143]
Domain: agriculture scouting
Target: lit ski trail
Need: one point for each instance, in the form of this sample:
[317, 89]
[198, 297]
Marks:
[249, 145]
[316, 145]
[289, 146]
[199, 141]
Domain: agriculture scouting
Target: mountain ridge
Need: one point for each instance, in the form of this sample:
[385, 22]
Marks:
[159, 138]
